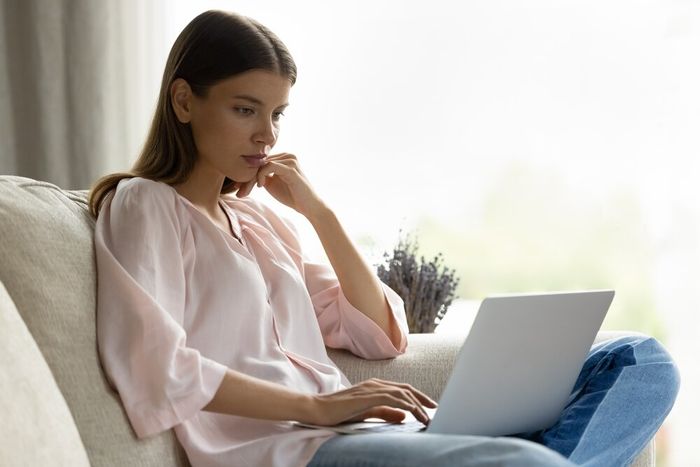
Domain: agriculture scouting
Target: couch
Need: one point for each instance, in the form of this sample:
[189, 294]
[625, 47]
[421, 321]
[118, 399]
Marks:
[56, 407]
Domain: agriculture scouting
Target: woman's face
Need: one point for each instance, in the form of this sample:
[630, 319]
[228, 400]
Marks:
[239, 117]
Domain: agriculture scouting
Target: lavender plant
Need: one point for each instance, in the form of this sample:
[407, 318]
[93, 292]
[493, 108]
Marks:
[426, 287]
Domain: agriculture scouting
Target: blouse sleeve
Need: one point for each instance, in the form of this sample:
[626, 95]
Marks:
[140, 311]
[342, 325]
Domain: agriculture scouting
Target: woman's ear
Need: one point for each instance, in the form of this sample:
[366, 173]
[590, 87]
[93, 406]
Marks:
[181, 98]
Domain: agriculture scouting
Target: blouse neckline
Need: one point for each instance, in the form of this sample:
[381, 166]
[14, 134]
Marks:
[231, 217]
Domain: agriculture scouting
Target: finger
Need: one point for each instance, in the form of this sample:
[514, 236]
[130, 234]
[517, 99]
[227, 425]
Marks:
[419, 412]
[279, 168]
[390, 400]
[281, 156]
[245, 189]
[248, 188]
[394, 394]
[422, 397]
[389, 414]
[287, 160]
[415, 409]
[263, 177]
[400, 399]
[408, 393]
[265, 171]
[371, 395]
[384, 412]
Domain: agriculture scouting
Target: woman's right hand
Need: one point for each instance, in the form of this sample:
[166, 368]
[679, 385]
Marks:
[370, 398]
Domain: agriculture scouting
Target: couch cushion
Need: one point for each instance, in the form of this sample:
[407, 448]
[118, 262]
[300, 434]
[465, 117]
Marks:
[37, 427]
[47, 265]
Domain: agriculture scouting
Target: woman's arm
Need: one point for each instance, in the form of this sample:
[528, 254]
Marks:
[359, 283]
[247, 396]
[283, 179]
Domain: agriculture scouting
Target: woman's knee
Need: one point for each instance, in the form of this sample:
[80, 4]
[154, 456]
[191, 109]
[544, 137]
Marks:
[519, 452]
[653, 354]
[653, 361]
[482, 451]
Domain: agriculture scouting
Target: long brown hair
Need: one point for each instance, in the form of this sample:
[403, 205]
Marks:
[213, 46]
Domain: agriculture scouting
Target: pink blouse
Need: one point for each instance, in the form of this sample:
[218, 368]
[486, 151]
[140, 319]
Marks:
[180, 301]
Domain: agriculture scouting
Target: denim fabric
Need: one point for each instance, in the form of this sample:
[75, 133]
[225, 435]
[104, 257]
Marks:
[433, 450]
[624, 392]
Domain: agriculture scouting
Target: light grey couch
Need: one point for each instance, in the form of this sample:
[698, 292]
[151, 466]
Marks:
[56, 407]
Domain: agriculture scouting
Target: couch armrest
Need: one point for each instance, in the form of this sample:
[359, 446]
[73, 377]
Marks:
[426, 364]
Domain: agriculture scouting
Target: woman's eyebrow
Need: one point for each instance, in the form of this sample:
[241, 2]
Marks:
[254, 100]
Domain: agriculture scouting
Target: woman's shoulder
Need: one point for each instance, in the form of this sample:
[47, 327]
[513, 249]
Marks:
[143, 191]
[141, 210]
[140, 186]
[140, 198]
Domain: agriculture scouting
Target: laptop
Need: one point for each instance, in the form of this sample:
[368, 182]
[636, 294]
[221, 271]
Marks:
[516, 368]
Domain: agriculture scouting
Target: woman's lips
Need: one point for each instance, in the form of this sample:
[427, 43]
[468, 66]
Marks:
[255, 161]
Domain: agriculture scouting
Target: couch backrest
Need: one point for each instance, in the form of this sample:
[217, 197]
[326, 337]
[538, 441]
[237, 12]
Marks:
[47, 266]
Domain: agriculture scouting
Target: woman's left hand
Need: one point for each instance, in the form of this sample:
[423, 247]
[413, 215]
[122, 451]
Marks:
[282, 177]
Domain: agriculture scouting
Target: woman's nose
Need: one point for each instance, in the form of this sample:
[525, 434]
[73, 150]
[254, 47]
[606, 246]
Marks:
[267, 133]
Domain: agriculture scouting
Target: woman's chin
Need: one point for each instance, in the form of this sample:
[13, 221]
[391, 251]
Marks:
[243, 178]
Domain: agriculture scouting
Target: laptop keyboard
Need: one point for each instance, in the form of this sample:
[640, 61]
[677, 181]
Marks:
[408, 427]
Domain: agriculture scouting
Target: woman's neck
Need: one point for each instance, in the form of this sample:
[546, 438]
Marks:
[202, 189]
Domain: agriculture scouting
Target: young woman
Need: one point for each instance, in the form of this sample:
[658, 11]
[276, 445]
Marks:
[212, 322]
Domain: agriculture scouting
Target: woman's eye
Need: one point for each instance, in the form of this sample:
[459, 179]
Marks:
[243, 110]
[277, 115]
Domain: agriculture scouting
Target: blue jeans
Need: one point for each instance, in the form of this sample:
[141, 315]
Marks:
[625, 391]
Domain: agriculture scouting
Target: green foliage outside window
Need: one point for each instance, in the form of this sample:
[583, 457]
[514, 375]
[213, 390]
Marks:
[537, 235]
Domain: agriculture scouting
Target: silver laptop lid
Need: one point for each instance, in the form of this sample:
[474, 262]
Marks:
[519, 362]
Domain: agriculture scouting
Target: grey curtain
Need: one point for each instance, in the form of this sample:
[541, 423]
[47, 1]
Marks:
[70, 108]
